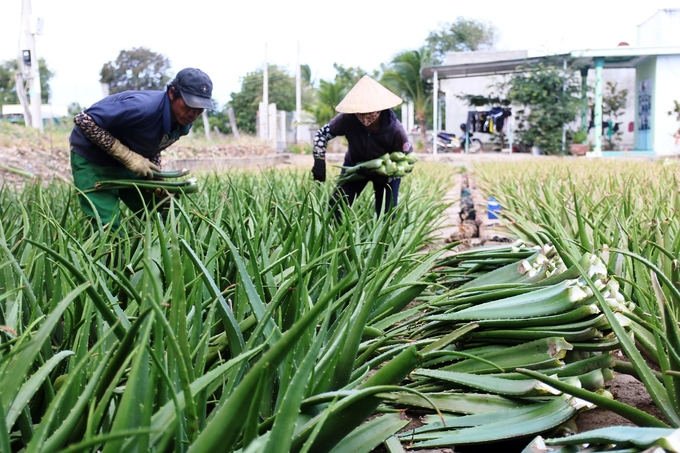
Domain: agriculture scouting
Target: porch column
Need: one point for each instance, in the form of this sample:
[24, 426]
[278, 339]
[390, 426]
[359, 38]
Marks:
[435, 103]
[584, 99]
[597, 147]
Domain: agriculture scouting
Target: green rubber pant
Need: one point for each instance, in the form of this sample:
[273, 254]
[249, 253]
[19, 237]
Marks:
[106, 203]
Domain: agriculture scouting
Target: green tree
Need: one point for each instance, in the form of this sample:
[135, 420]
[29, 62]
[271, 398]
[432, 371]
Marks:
[330, 93]
[676, 112]
[613, 106]
[459, 36]
[403, 77]
[246, 102]
[548, 97]
[136, 69]
[8, 92]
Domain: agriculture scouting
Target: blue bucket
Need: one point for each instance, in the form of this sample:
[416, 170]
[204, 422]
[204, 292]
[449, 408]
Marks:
[493, 208]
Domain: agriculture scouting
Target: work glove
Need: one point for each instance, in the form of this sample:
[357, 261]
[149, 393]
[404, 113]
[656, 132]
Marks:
[136, 163]
[374, 177]
[319, 170]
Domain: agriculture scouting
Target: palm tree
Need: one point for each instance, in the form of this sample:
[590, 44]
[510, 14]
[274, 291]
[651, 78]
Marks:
[403, 76]
[329, 95]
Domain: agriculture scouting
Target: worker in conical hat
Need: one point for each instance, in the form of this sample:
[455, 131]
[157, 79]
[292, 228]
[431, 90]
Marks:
[372, 129]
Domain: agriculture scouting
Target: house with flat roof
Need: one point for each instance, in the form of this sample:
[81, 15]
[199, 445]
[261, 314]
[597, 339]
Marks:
[649, 70]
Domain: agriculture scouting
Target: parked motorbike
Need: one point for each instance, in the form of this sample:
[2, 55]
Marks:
[448, 142]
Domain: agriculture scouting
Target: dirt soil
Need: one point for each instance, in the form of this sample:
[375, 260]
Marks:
[53, 163]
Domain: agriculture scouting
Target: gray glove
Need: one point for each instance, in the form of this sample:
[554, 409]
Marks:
[138, 164]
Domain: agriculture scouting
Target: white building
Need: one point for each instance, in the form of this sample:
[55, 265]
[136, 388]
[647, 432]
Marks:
[649, 70]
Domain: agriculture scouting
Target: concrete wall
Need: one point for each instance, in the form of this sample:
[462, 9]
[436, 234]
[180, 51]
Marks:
[660, 30]
[645, 76]
[666, 90]
[622, 79]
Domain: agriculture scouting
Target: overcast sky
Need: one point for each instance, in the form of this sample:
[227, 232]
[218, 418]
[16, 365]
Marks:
[227, 39]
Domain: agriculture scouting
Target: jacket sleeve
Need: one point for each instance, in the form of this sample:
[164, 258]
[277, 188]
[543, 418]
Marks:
[401, 138]
[101, 137]
[321, 140]
[96, 134]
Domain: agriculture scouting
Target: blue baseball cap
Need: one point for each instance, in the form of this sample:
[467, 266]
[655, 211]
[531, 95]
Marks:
[195, 87]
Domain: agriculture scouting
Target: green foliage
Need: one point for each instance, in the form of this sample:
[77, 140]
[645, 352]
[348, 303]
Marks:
[580, 137]
[549, 97]
[75, 108]
[281, 92]
[136, 69]
[613, 106]
[330, 93]
[676, 112]
[463, 35]
[8, 92]
[403, 77]
[300, 148]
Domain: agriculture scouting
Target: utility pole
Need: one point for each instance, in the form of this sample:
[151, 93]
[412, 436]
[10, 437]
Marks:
[265, 97]
[28, 64]
[298, 96]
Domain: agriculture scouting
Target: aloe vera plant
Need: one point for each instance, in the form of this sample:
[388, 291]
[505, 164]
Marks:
[624, 212]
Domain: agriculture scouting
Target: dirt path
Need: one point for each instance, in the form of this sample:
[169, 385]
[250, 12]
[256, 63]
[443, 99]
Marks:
[624, 388]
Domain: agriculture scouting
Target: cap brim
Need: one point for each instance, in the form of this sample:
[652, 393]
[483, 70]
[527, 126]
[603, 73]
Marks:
[197, 102]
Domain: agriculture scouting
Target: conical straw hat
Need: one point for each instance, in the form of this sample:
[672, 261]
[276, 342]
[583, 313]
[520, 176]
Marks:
[368, 96]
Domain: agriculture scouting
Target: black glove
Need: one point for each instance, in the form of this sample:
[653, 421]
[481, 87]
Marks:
[319, 170]
[374, 177]
[366, 173]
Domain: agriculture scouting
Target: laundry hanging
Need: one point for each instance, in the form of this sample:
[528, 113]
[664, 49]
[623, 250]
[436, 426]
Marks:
[491, 121]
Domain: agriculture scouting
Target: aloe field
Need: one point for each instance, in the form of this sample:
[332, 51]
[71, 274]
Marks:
[251, 320]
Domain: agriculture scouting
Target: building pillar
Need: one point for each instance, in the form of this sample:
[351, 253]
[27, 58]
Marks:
[584, 99]
[597, 147]
[435, 104]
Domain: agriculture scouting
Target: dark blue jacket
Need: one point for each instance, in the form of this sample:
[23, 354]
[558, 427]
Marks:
[365, 145]
[138, 119]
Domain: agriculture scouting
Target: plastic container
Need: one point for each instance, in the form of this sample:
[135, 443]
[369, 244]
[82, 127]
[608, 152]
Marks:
[493, 208]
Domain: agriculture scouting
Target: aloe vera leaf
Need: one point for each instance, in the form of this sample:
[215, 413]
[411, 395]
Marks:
[231, 326]
[543, 418]
[171, 173]
[527, 335]
[119, 324]
[393, 445]
[396, 318]
[342, 421]
[541, 302]
[462, 403]
[31, 386]
[4, 433]
[490, 384]
[529, 353]
[559, 319]
[284, 425]
[369, 435]
[165, 417]
[576, 368]
[537, 445]
[636, 416]
[656, 390]
[229, 414]
[40, 441]
[641, 437]
[129, 414]
[449, 338]
[479, 419]
[17, 369]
